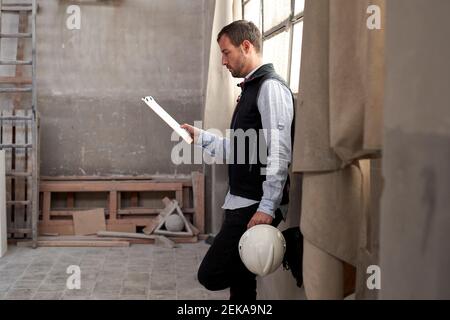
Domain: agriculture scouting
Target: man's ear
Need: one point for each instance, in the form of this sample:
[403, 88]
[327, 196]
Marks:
[246, 46]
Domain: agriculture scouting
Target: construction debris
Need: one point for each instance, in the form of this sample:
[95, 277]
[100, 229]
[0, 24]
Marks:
[89, 222]
[162, 241]
[74, 243]
[124, 235]
[172, 207]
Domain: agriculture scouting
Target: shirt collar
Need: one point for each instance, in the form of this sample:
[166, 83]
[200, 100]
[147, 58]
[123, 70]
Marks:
[252, 72]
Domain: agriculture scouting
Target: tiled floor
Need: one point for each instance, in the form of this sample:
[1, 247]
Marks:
[137, 272]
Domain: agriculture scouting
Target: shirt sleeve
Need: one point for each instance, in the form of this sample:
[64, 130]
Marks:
[277, 112]
[214, 145]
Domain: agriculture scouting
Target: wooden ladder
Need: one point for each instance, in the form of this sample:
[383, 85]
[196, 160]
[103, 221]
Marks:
[19, 124]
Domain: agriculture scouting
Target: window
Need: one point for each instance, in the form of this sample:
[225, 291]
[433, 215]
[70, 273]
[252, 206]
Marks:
[275, 12]
[281, 22]
[276, 51]
[253, 10]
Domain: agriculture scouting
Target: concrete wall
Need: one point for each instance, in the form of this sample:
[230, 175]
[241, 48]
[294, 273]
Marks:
[415, 219]
[90, 82]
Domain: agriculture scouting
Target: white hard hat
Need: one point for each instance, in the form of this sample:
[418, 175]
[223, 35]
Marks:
[262, 249]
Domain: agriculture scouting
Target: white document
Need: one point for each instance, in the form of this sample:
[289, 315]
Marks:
[167, 118]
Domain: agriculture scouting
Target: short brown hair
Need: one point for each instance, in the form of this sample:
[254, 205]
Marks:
[241, 30]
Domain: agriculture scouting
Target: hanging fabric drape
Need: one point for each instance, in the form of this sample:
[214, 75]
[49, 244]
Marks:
[338, 120]
[221, 90]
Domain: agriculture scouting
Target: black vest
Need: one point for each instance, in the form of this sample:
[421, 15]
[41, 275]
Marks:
[244, 173]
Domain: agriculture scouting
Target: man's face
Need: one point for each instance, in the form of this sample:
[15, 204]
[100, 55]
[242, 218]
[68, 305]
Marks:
[233, 58]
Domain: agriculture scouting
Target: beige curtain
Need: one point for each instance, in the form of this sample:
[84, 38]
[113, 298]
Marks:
[221, 95]
[356, 57]
[221, 89]
[338, 121]
[312, 149]
[340, 96]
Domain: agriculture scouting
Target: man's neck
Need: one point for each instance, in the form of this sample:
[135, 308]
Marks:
[254, 66]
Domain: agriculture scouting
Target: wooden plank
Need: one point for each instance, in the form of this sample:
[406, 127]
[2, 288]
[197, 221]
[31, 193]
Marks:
[170, 206]
[89, 222]
[7, 138]
[69, 222]
[78, 238]
[203, 236]
[70, 200]
[3, 218]
[198, 189]
[105, 186]
[60, 229]
[134, 199]
[186, 198]
[69, 212]
[74, 243]
[20, 166]
[20, 56]
[68, 230]
[46, 203]
[15, 80]
[193, 239]
[139, 211]
[173, 233]
[50, 234]
[194, 229]
[120, 227]
[60, 222]
[19, 230]
[152, 225]
[113, 205]
[137, 221]
[185, 179]
[124, 235]
[90, 238]
[179, 196]
[29, 168]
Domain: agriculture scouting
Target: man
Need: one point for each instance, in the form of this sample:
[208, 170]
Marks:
[265, 105]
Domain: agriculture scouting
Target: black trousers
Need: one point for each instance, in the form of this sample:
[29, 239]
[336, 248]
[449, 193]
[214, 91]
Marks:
[222, 267]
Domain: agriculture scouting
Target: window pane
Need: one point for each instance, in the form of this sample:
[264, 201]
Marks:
[275, 12]
[296, 56]
[299, 6]
[276, 51]
[252, 12]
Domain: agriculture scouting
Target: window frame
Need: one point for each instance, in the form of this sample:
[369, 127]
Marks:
[283, 26]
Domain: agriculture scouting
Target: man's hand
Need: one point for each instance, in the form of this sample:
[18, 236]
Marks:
[259, 218]
[193, 131]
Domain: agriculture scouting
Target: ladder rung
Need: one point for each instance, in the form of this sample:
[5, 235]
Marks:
[16, 118]
[15, 146]
[15, 62]
[15, 80]
[15, 35]
[18, 174]
[26, 89]
[18, 202]
[16, 7]
[19, 230]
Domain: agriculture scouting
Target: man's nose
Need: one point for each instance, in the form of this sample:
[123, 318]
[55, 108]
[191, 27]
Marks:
[224, 61]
